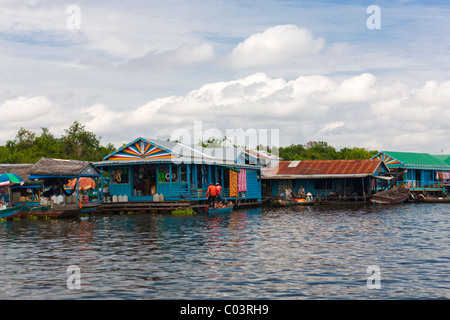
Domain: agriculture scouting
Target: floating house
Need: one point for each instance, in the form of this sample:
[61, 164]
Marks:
[56, 199]
[29, 192]
[422, 172]
[326, 180]
[152, 174]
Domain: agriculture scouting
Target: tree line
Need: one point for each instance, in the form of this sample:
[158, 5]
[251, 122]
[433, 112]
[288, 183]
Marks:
[320, 150]
[79, 144]
[76, 144]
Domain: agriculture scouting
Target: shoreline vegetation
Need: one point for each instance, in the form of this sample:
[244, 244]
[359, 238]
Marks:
[79, 144]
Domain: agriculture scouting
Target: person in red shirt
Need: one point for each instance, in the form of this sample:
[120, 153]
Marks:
[211, 195]
[219, 192]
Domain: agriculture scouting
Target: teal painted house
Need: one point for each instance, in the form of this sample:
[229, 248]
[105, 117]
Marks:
[152, 169]
[423, 172]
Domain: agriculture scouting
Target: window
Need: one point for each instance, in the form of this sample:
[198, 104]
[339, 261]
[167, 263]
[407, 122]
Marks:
[120, 175]
[164, 174]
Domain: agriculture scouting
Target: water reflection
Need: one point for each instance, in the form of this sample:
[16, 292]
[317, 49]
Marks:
[295, 253]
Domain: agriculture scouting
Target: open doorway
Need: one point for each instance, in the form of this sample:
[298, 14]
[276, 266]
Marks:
[144, 180]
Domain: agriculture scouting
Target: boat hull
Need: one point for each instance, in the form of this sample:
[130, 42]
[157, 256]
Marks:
[395, 196]
[58, 210]
[433, 200]
[10, 213]
[219, 210]
[289, 203]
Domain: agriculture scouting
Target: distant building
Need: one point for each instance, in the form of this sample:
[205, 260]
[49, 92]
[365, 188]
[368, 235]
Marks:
[327, 179]
[423, 172]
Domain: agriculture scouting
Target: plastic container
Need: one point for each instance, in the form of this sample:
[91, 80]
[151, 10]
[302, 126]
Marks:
[161, 197]
[85, 199]
[156, 197]
[125, 198]
[114, 198]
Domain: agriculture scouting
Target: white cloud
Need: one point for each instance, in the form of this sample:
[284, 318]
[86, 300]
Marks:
[274, 46]
[306, 108]
[303, 109]
[31, 113]
[183, 56]
[24, 109]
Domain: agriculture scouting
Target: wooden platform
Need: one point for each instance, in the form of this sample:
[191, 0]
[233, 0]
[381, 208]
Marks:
[165, 206]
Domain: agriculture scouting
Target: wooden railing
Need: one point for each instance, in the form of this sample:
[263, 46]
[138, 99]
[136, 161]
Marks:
[193, 194]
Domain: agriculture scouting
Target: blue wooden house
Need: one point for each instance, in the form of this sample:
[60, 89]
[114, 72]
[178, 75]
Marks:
[423, 172]
[152, 170]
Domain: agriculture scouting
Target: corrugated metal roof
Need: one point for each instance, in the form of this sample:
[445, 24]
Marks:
[443, 157]
[322, 169]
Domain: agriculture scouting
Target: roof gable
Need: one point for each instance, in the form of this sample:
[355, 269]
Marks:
[142, 149]
[47, 167]
[443, 157]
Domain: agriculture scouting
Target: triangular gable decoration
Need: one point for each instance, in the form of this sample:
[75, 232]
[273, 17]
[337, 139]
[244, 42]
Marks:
[387, 159]
[141, 149]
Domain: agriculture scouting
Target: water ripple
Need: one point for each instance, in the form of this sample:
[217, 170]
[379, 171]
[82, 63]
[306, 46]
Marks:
[295, 253]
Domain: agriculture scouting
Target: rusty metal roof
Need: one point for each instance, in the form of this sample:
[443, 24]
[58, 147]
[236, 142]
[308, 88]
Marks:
[322, 169]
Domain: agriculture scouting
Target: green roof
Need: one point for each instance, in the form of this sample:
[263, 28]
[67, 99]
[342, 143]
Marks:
[443, 157]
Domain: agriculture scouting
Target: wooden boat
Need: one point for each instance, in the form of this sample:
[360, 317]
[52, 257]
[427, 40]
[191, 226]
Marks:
[391, 196]
[432, 200]
[10, 213]
[293, 202]
[58, 210]
[219, 210]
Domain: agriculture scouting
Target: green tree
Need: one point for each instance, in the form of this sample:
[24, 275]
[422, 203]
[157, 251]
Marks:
[355, 153]
[77, 144]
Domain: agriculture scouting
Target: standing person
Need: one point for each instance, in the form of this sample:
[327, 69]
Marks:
[219, 192]
[211, 195]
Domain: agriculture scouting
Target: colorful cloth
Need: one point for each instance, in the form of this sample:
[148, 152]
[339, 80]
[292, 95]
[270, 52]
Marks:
[233, 184]
[242, 181]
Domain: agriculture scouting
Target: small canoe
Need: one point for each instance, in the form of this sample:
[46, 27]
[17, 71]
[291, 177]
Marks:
[219, 210]
[10, 213]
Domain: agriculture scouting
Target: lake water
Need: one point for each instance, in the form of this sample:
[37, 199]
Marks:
[318, 252]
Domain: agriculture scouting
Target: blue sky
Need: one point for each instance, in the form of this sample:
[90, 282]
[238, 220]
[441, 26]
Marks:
[311, 69]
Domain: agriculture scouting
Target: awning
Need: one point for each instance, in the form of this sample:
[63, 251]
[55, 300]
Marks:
[384, 177]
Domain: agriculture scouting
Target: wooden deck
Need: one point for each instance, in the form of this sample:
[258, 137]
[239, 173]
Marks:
[166, 206]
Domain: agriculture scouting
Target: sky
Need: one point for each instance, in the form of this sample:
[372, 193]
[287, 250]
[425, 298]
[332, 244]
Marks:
[329, 71]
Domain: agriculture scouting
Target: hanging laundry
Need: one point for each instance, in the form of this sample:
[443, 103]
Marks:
[233, 183]
[242, 181]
